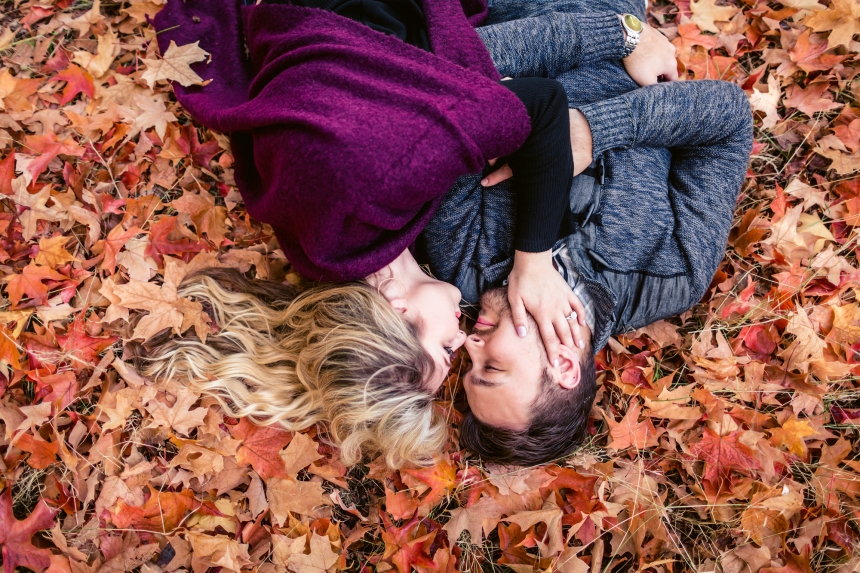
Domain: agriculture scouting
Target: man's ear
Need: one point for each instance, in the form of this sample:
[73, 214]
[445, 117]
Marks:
[568, 373]
[400, 305]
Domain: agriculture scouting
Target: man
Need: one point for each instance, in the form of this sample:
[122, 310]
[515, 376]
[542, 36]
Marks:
[644, 231]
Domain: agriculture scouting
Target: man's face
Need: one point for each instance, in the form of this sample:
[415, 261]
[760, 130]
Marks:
[506, 370]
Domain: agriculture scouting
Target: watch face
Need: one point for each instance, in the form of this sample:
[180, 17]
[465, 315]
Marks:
[633, 22]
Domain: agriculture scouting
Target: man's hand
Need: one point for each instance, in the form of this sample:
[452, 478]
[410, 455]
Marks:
[537, 288]
[653, 57]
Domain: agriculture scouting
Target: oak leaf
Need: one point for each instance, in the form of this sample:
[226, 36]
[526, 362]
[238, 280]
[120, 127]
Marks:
[16, 536]
[175, 65]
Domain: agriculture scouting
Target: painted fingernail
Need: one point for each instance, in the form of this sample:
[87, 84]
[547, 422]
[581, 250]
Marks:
[521, 330]
[581, 344]
[555, 362]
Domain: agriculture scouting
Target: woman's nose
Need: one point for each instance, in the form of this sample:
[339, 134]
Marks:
[473, 341]
[459, 339]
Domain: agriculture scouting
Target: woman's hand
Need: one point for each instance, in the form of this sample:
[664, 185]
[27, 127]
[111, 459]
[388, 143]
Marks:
[653, 57]
[535, 287]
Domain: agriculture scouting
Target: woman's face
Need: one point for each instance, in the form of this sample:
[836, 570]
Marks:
[434, 307]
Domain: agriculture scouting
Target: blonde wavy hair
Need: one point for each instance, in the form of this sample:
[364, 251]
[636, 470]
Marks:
[338, 355]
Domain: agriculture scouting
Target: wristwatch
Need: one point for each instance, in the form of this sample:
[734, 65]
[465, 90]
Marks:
[633, 28]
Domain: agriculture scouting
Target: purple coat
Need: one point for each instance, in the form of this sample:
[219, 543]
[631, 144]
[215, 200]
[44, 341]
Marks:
[345, 139]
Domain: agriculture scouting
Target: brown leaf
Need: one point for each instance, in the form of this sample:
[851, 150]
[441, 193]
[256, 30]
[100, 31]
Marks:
[286, 495]
[175, 65]
[301, 452]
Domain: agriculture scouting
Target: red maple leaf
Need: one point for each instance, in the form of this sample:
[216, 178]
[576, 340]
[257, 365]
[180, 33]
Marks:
[810, 57]
[16, 536]
[261, 447]
[29, 283]
[403, 547]
[160, 243]
[722, 454]
[580, 488]
[512, 543]
[78, 81]
[114, 242]
[7, 173]
[82, 348]
[49, 147]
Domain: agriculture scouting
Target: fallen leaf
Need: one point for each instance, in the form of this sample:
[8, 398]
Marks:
[174, 65]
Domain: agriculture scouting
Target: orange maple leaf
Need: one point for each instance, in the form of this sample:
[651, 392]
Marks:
[29, 282]
[78, 81]
[42, 453]
[630, 432]
[441, 478]
[80, 346]
[162, 512]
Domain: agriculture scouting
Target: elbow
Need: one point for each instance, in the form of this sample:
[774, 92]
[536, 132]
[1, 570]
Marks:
[739, 117]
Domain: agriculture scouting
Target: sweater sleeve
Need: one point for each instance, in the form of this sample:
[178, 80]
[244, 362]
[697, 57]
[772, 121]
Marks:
[548, 45]
[543, 166]
[707, 126]
[675, 115]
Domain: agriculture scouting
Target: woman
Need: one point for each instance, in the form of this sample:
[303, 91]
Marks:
[395, 385]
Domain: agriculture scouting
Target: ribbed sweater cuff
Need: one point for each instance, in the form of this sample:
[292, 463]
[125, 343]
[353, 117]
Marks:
[601, 36]
[612, 124]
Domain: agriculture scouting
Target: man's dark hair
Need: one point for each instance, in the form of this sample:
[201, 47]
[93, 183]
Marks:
[558, 421]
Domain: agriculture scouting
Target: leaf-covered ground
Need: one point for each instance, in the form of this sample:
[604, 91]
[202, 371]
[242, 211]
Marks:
[723, 440]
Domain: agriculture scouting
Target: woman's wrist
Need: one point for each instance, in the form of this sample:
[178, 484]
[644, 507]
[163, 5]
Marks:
[525, 260]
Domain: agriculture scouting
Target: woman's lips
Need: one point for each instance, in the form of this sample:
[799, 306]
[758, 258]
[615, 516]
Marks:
[484, 322]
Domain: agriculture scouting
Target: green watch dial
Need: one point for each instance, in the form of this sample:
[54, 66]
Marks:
[633, 22]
